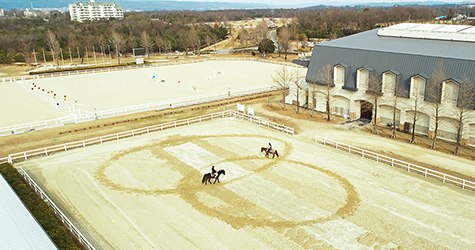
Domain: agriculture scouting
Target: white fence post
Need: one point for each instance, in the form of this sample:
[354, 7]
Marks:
[426, 172]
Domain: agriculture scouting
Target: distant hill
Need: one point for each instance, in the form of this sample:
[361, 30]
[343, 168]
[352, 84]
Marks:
[150, 5]
[145, 5]
[389, 4]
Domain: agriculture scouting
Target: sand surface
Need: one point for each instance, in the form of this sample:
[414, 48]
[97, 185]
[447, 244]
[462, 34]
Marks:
[358, 138]
[146, 192]
[119, 89]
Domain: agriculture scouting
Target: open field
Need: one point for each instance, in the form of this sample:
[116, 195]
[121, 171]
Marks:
[146, 192]
[104, 91]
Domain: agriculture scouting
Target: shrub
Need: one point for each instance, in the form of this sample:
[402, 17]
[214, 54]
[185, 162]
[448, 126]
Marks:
[39, 209]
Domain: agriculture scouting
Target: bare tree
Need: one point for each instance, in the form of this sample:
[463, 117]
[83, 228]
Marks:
[418, 98]
[434, 94]
[160, 43]
[399, 91]
[194, 40]
[465, 102]
[119, 43]
[209, 40]
[284, 40]
[261, 31]
[53, 45]
[185, 40]
[282, 80]
[375, 91]
[244, 37]
[26, 46]
[146, 42]
[326, 76]
[298, 81]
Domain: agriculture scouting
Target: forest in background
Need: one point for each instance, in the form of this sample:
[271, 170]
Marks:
[169, 31]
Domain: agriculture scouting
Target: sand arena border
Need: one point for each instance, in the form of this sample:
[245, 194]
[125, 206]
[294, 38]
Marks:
[312, 197]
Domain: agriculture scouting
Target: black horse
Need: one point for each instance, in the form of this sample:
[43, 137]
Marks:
[207, 177]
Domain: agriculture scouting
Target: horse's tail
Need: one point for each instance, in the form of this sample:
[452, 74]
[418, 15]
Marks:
[277, 153]
[204, 179]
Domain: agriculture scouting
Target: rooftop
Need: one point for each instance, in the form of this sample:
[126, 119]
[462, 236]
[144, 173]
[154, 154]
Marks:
[95, 4]
[464, 33]
[398, 39]
[18, 228]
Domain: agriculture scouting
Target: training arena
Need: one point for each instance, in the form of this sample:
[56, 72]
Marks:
[73, 97]
[145, 192]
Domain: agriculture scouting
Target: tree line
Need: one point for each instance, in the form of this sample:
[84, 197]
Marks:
[60, 37]
[168, 31]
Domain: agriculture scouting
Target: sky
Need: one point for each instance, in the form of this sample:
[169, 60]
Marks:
[277, 3]
[333, 2]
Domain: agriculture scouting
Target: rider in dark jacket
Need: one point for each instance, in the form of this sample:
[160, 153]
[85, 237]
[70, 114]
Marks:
[213, 172]
[270, 148]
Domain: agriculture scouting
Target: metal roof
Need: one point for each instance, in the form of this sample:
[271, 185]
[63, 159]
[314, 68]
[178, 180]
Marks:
[18, 228]
[429, 31]
[406, 56]
[369, 40]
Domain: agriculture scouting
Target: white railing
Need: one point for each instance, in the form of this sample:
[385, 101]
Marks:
[73, 229]
[393, 162]
[117, 68]
[89, 116]
[266, 123]
[26, 155]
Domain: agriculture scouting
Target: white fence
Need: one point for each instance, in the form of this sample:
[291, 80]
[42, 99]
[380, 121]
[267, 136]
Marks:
[413, 168]
[26, 155]
[23, 156]
[74, 231]
[89, 116]
[118, 68]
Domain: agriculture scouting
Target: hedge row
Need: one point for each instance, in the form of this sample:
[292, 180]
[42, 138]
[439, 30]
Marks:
[43, 213]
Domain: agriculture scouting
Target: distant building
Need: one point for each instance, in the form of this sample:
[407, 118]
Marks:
[404, 56]
[89, 11]
[2, 13]
[30, 13]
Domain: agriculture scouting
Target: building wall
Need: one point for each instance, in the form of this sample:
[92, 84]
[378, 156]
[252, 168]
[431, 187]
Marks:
[347, 103]
[94, 11]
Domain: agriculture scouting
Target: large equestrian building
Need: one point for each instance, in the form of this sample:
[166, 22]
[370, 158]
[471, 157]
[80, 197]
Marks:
[405, 57]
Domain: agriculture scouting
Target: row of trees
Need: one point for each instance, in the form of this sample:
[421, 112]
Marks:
[23, 36]
[433, 97]
[180, 30]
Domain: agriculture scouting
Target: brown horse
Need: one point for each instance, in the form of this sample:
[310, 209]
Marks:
[272, 151]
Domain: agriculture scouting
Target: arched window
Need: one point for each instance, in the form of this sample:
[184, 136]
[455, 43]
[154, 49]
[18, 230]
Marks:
[450, 91]
[362, 77]
[339, 73]
[418, 86]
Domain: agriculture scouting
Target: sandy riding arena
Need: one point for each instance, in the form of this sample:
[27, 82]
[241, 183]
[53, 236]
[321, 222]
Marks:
[69, 96]
[145, 192]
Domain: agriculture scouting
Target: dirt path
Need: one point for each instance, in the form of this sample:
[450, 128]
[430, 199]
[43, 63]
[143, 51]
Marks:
[310, 124]
[81, 131]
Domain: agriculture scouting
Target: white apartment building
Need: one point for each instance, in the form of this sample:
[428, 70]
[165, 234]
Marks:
[89, 11]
